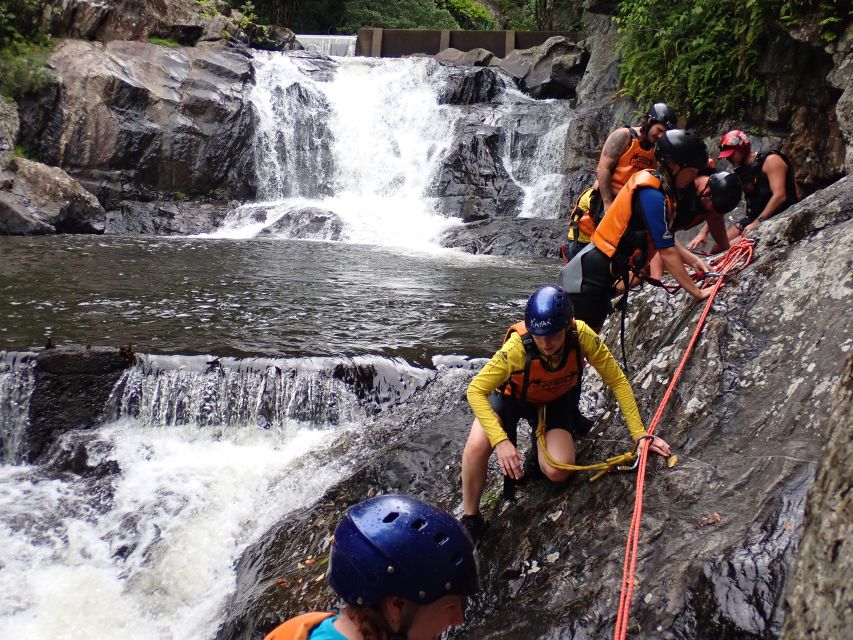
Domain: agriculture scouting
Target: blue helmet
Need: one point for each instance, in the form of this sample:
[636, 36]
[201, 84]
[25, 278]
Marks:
[399, 546]
[548, 310]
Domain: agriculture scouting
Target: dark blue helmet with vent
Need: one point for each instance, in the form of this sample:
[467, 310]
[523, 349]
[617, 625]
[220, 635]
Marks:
[399, 546]
[548, 311]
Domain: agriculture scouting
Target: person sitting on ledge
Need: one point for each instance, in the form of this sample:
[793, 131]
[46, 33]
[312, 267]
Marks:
[401, 566]
[536, 375]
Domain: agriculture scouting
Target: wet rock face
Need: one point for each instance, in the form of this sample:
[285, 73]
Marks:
[72, 385]
[817, 605]
[136, 121]
[165, 218]
[521, 237]
[473, 183]
[721, 530]
[8, 125]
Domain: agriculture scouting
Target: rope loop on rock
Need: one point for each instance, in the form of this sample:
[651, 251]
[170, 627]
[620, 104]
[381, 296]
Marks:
[737, 257]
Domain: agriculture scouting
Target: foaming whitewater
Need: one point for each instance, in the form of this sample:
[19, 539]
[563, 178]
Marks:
[357, 140]
[132, 529]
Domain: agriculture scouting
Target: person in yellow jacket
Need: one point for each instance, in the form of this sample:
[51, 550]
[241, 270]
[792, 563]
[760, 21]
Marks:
[536, 375]
[403, 568]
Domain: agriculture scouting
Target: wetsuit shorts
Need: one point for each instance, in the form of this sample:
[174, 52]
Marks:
[590, 284]
[562, 413]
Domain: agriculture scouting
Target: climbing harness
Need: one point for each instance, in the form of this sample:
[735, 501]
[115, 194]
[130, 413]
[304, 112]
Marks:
[739, 256]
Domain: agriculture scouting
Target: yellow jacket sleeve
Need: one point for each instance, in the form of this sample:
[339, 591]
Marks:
[599, 356]
[494, 373]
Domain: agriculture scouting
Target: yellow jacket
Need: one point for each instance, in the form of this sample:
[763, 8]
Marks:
[511, 358]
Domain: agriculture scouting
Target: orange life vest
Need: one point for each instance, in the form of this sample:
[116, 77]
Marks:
[536, 383]
[615, 224]
[633, 160]
[298, 628]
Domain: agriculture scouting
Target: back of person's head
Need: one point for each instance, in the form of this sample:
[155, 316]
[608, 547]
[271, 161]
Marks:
[726, 191]
[548, 311]
[397, 546]
[734, 140]
[683, 148]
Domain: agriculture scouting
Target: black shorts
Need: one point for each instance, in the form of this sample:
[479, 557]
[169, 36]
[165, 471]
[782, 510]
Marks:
[562, 413]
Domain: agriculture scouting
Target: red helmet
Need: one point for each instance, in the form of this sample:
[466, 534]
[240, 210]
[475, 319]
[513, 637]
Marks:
[734, 140]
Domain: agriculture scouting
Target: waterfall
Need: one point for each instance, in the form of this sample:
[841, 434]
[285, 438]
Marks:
[260, 392]
[133, 528]
[16, 388]
[328, 45]
[355, 141]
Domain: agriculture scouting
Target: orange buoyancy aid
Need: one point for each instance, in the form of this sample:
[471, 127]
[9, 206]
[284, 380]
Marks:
[633, 160]
[536, 383]
[298, 628]
[614, 225]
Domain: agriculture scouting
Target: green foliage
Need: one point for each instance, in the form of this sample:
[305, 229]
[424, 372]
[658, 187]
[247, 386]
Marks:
[547, 15]
[832, 15]
[469, 14]
[164, 42]
[395, 14]
[23, 68]
[700, 56]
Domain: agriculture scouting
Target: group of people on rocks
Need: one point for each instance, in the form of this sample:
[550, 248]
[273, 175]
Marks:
[403, 567]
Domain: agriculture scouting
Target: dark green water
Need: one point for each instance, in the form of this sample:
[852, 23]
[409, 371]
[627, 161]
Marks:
[259, 296]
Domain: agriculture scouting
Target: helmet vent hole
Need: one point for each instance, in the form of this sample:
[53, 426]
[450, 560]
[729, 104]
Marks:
[419, 524]
[440, 538]
[390, 517]
[458, 559]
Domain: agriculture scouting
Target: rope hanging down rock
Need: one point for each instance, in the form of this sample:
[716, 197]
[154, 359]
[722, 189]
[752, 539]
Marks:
[739, 256]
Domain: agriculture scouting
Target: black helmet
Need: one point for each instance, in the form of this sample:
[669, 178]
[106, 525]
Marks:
[726, 191]
[663, 113]
[682, 147]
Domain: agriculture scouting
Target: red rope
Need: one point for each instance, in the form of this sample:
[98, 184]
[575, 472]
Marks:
[739, 254]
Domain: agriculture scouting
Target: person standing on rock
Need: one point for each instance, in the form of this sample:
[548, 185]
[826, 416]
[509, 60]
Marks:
[769, 185]
[638, 225]
[627, 150]
[403, 568]
[536, 375]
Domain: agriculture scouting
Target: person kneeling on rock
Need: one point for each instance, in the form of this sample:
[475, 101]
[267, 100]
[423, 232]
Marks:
[403, 568]
[536, 375]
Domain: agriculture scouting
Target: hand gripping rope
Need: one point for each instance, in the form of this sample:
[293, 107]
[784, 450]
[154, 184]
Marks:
[739, 256]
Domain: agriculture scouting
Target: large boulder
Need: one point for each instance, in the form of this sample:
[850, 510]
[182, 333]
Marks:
[37, 199]
[550, 70]
[841, 77]
[473, 183]
[137, 121]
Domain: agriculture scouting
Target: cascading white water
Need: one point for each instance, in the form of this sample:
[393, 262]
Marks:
[201, 457]
[357, 138]
[16, 387]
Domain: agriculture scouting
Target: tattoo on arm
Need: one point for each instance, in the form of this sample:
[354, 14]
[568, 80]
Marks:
[616, 144]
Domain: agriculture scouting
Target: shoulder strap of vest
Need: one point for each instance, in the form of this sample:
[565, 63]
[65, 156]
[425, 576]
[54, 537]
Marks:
[529, 354]
[633, 133]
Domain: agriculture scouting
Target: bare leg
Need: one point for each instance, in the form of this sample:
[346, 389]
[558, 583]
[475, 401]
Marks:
[734, 233]
[561, 447]
[656, 267]
[475, 464]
